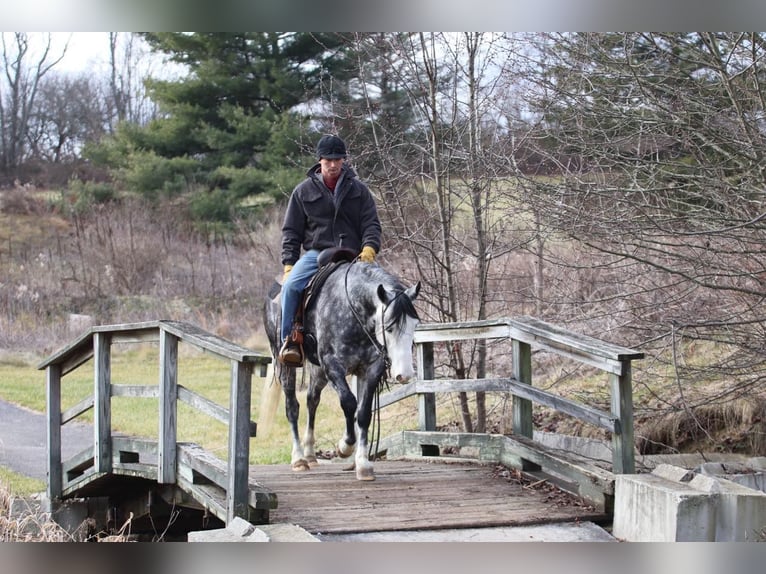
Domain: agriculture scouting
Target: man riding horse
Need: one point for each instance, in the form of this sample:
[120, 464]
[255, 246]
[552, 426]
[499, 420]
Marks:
[332, 207]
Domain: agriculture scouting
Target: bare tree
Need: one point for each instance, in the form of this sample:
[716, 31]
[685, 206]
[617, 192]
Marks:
[658, 142]
[23, 69]
[438, 178]
[130, 64]
[69, 111]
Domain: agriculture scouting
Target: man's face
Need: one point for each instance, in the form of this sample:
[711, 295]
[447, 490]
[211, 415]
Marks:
[331, 167]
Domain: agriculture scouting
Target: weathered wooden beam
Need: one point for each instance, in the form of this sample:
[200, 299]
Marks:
[168, 422]
[101, 400]
[522, 372]
[138, 391]
[203, 404]
[426, 401]
[589, 350]
[623, 457]
[53, 406]
[209, 342]
[76, 410]
[239, 441]
[438, 332]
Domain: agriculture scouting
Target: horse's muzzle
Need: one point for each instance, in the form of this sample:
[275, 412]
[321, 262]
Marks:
[402, 379]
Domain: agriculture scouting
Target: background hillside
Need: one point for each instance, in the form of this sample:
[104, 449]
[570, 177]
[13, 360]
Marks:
[609, 183]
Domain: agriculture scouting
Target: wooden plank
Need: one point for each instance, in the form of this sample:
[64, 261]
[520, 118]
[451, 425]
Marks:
[522, 372]
[408, 495]
[199, 466]
[209, 342]
[239, 441]
[591, 482]
[140, 391]
[81, 349]
[439, 332]
[168, 425]
[508, 385]
[75, 411]
[203, 404]
[81, 346]
[426, 401]
[208, 407]
[101, 400]
[623, 457]
[54, 422]
[558, 336]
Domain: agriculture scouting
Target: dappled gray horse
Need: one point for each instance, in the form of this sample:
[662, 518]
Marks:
[361, 322]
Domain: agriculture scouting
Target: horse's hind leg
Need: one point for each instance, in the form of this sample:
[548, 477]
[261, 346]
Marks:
[317, 384]
[292, 410]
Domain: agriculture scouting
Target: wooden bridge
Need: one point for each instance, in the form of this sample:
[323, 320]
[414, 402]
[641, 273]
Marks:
[418, 487]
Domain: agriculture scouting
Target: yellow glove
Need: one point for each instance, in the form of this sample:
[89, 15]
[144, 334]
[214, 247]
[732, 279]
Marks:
[367, 255]
[288, 268]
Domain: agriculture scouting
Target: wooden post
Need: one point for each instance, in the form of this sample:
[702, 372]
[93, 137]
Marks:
[426, 401]
[239, 441]
[102, 451]
[623, 455]
[168, 431]
[53, 400]
[522, 372]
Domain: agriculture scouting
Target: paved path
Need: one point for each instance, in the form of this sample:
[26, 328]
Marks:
[23, 440]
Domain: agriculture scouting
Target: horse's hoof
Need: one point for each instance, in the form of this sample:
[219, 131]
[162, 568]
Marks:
[301, 466]
[365, 474]
[312, 461]
[345, 450]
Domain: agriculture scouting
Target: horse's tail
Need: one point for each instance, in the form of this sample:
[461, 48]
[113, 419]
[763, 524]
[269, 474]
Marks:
[272, 389]
[270, 398]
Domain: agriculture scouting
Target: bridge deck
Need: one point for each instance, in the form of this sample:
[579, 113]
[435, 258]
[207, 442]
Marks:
[411, 495]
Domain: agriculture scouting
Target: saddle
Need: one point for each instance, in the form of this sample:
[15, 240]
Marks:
[329, 260]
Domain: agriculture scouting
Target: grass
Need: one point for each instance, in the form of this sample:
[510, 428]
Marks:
[20, 485]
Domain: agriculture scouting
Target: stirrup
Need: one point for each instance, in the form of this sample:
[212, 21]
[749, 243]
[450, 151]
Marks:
[291, 354]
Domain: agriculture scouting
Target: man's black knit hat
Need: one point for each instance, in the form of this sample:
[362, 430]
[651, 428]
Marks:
[331, 147]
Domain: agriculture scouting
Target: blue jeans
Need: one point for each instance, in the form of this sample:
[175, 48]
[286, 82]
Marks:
[292, 290]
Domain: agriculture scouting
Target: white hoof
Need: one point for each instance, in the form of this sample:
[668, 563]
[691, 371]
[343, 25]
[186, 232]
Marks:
[344, 449]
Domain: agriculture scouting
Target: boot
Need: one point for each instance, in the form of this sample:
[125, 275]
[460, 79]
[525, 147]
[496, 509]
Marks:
[291, 353]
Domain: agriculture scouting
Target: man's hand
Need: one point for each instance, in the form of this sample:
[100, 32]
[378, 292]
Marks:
[367, 255]
[287, 270]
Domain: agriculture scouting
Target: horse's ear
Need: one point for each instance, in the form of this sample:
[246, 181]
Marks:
[413, 291]
[383, 294]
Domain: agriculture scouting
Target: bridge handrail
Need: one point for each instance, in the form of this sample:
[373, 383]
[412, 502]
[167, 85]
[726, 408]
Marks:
[526, 333]
[96, 343]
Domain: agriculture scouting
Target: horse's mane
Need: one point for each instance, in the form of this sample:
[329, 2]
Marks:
[401, 307]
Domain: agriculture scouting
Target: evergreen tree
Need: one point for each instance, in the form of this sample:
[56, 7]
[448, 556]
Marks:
[232, 126]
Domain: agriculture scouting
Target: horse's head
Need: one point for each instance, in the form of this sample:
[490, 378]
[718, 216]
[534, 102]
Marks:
[396, 329]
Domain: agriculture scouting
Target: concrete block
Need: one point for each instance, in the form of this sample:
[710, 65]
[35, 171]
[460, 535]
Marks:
[650, 508]
[673, 473]
[751, 474]
[239, 530]
[741, 512]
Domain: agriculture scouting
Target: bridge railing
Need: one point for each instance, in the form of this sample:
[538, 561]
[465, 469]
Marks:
[525, 335]
[96, 344]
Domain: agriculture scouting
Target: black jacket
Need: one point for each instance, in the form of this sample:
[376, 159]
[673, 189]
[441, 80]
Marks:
[317, 219]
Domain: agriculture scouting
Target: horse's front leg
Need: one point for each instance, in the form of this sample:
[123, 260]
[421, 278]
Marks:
[337, 377]
[292, 410]
[367, 390]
